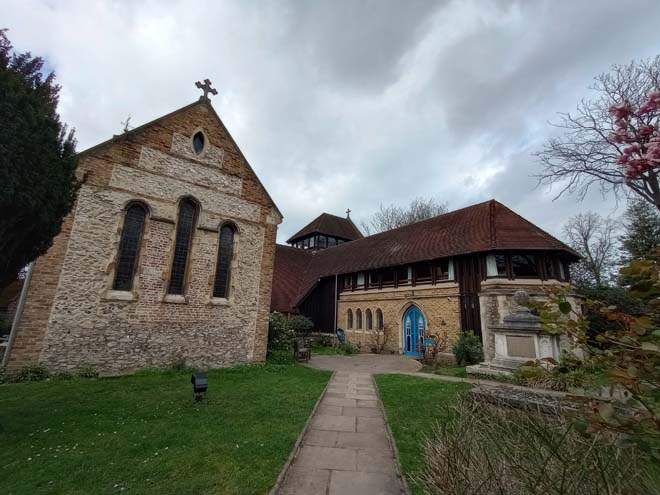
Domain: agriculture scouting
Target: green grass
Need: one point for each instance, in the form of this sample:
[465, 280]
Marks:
[456, 371]
[144, 434]
[413, 405]
[323, 350]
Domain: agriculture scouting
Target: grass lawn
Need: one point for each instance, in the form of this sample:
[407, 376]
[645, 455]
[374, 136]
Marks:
[413, 405]
[323, 350]
[144, 434]
[457, 371]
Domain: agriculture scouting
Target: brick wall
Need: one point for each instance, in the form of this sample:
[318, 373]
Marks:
[72, 318]
[440, 305]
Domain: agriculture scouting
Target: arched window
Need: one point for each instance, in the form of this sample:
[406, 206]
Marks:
[358, 317]
[129, 246]
[349, 318]
[223, 267]
[379, 319]
[184, 234]
[369, 317]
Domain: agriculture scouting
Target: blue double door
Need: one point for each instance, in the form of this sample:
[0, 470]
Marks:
[414, 332]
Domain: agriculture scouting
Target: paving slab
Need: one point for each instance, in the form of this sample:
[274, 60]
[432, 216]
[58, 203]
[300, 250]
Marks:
[306, 482]
[330, 410]
[356, 483]
[367, 412]
[338, 401]
[370, 425]
[333, 423]
[364, 441]
[314, 457]
[346, 448]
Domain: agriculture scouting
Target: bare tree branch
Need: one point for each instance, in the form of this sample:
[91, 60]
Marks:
[586, 155]
[392, 216]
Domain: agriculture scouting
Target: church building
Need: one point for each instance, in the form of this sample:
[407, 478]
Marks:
[169, 256]
[166, 257]
[453, 273]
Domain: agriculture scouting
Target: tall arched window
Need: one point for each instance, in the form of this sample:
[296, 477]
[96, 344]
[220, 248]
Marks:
[370, 321]
[379, 319]
[129, 246]
[223, 267]
[184, 234]
[349, 318]
[358, 317]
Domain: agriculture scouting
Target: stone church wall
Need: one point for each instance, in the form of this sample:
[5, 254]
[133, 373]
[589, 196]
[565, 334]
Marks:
[73, 319]
[439, 303]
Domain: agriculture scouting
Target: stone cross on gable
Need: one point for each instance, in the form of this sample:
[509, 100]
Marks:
[348, 213]
[206, 87]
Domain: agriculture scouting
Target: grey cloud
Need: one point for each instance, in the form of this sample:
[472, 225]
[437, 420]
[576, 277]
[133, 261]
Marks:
[342, 104]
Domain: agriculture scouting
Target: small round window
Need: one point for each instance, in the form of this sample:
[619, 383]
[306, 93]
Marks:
[198, 142]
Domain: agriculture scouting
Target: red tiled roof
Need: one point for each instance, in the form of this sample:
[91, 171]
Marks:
[290, 267]
[329, 225]
[488, 226]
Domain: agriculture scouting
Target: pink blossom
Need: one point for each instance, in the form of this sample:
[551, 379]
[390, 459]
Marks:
[621, 110]
[646, 130]
[652, 104]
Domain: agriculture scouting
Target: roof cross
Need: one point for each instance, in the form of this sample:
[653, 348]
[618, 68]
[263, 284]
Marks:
[348, 213]
[206, 87]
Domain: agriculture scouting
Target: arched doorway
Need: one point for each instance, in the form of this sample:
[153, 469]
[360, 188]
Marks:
[414, 332]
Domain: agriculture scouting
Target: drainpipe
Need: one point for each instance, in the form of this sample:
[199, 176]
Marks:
[18, 314]
[336, 297]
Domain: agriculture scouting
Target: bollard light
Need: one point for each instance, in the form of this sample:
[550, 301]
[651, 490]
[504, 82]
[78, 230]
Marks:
[200, 382]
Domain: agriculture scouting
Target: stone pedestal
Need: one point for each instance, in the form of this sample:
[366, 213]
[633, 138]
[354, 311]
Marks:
[520, 338]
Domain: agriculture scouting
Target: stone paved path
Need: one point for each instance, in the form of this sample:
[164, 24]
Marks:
[346, 449]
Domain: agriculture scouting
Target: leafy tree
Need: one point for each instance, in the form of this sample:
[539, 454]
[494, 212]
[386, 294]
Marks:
[641, 223]
[392, 216]
[592, 236]
[628, 351]
[612, 140]
[37, 161]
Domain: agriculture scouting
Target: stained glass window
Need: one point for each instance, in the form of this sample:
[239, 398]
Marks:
[223, 269]
[129, 246]
[184, 234]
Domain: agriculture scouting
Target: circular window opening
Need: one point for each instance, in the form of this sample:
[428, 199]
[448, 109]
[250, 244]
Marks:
[198, 142]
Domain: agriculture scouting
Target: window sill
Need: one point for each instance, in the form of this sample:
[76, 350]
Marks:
[120, 295]
[175, 299]
[220, 301]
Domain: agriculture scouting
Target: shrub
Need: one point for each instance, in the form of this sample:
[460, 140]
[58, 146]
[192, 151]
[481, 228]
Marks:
[61, 375]
[87, 372]
[468, 350]
[349, 348]
[280, 334]
[281, 357]
[490, 450]
[34, 373]
[301, 325]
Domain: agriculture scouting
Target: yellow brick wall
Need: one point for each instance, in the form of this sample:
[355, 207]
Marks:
[439, 304]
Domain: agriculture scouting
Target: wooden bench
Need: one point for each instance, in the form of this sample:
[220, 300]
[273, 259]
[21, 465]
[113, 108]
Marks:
[302, 350]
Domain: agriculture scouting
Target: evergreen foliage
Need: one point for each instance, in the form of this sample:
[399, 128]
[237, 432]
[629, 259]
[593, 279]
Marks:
[641, 223]
[37, 161]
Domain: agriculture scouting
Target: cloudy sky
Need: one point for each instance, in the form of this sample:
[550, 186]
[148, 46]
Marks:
[340, 104]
